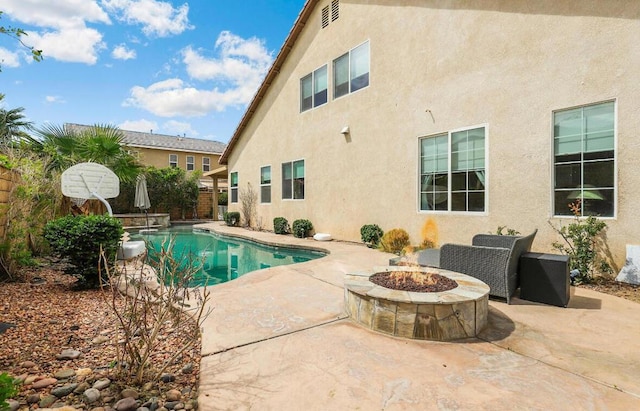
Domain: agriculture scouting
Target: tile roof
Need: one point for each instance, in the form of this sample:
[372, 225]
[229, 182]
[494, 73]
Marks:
[164, 142]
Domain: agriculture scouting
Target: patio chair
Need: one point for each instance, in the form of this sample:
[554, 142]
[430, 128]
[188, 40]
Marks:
[492, 259]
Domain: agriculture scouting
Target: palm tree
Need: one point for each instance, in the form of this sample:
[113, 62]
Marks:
[101, 144]
[12, 126]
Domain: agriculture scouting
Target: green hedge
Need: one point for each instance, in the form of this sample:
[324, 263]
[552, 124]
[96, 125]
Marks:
[280, 225]
[79, 238]
[301, 228]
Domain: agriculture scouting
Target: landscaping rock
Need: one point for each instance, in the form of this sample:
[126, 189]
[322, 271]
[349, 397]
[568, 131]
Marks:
[33, 398]
[126, 404]
[83, 372]
[13, 405]
[167, 377]
[28, 364]
[82, 387]
[65, 373]
[188, 368]
[129, 393]
[64, 390]
[45, 382]
[173, 395]
[47, 401]
[68, 354]
[91, 395]
[102, 383]
[630, 273]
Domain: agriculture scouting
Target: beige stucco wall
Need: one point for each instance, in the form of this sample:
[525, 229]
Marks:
[507, 66]
[160, 158]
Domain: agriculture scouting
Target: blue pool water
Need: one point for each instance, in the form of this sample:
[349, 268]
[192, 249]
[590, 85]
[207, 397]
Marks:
[223, 258]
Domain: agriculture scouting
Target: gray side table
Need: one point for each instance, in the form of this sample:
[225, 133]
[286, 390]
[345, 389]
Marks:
[544, 278]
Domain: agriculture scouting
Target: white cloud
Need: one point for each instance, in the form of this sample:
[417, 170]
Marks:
[9, 58]
[54, 99]
[178, 127]
[77, 45]
[236, 74]
[121, 52]
[142, 125]
[65, 36]
[158, 18]
[55, 14]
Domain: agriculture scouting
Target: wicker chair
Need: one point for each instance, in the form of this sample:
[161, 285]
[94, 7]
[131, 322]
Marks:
[492, 259]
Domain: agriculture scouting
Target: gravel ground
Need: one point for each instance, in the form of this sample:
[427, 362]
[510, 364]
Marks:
[43, 315]
[613, 287]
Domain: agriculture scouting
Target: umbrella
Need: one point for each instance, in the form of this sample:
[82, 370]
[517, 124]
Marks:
[142, 196]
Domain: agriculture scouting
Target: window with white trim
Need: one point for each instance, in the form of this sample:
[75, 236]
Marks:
[293, 180]
[584, 160]
[351, 71]
[191, 163]
[265, 184]
[233, 186]
[173, 160]
[206, 164]
[452, 171]
[313, 89]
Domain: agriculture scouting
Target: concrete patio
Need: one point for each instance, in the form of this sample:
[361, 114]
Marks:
[279, 339]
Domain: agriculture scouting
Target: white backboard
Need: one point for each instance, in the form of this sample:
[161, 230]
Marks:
[84, 179]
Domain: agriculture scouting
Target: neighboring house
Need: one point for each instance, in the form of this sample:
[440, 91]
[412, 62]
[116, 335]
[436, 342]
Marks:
[189, 154]
[466, 115]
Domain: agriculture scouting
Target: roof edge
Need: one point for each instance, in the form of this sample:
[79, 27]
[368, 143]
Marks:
[271, 74]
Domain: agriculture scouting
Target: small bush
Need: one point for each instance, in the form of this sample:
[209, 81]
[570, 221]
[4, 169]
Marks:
[302, 228]
[7, 390]
[223, 198]
[232, 218]
[509, 231]
[280, 225]
[394, 241]
[79, 239]
[371, 234]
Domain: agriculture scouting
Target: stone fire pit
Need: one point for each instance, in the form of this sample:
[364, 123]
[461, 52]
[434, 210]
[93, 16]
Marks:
[442, 316]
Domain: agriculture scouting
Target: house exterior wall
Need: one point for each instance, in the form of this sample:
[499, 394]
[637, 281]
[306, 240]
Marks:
[160, 158]
[438, 66]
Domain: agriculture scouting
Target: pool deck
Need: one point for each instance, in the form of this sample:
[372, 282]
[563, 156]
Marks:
[279, 339]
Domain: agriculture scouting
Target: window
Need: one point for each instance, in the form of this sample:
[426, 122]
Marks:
[351, 71]
[233, 177]
[313, 89]
[452, 171]
[191, 163]
[265, 184]
[173, 160]
[584, 160]
[293, 180]
[206, 164]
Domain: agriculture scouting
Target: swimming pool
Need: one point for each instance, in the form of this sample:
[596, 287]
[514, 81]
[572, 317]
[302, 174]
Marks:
[223, 258]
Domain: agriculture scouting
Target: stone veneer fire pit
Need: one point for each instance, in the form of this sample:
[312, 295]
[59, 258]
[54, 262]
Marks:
[442, 316]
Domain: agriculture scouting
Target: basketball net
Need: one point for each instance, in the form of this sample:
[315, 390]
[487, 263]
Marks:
[79, 202]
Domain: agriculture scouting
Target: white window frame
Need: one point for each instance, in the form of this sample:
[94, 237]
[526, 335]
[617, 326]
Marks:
[172, 162]
[206, 164]
[314, 91]
[266, 185]
[349, 61]
[615, 159]
[449, 134]
[304, 183]
[191, 163]
[233, 189]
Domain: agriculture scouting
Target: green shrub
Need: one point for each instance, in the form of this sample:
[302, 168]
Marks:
[585, 245]
[232, 218]
[280, 225]
[223, 199]
[301, 228]
[509, 231]
[79, 238]
[7, 390]
[371, 234]
[394, 241]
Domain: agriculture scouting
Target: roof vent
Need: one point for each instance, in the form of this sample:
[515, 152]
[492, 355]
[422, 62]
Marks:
[335, 10]
[325, 16]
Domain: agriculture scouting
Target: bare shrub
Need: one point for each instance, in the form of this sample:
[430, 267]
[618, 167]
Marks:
[149, 301]
[248, 201]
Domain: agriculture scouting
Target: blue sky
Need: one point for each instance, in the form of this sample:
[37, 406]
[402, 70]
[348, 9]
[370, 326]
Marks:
[168, 66]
